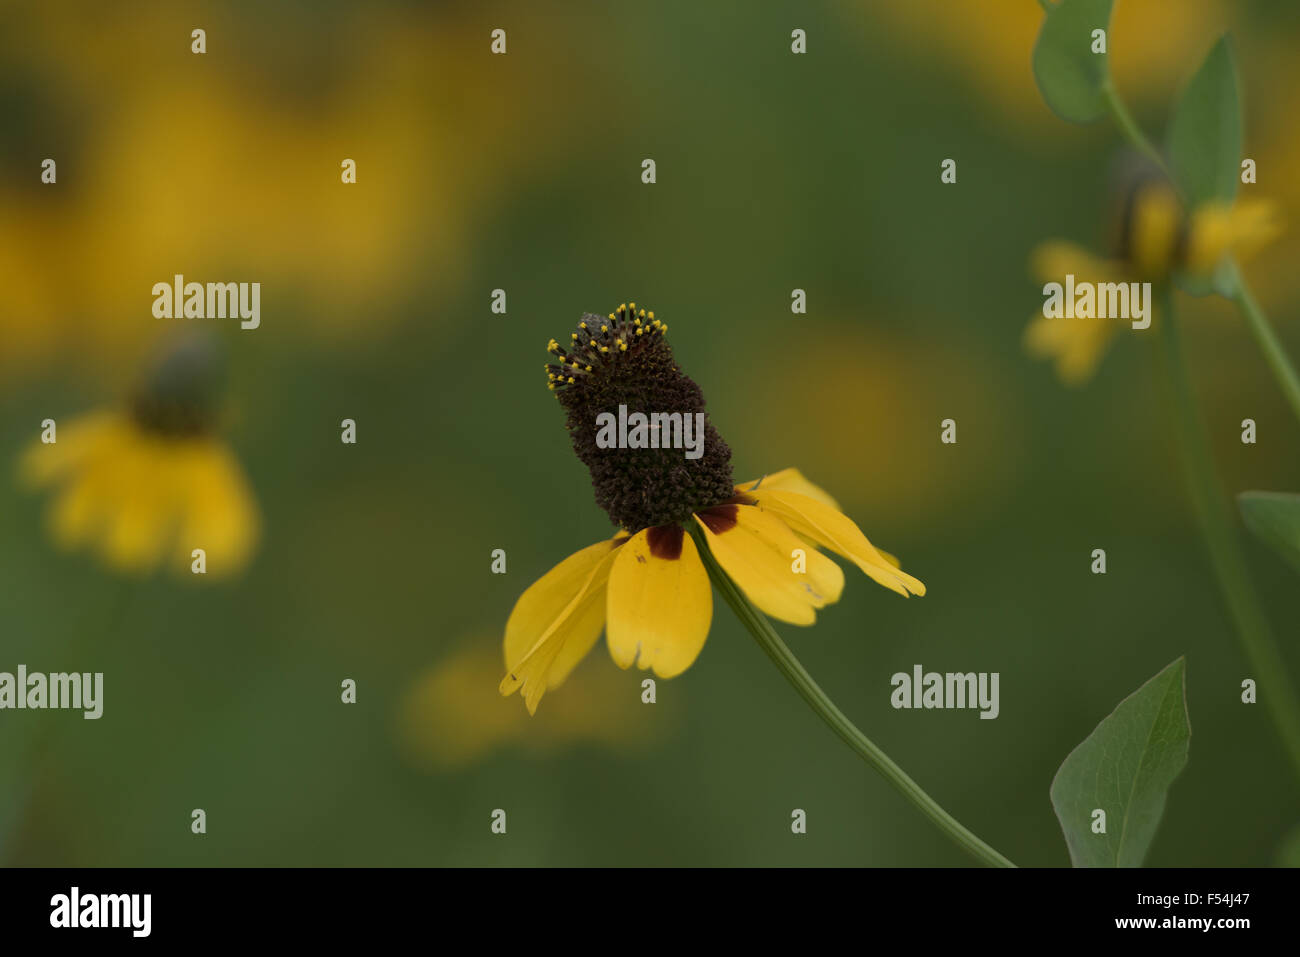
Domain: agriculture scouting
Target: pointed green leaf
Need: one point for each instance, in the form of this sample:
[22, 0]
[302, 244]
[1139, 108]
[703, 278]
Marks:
[1204, 138]
[1274, 517]
[1069, 75]
[1124, 768]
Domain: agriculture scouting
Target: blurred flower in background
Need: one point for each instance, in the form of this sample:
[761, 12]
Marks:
[990, 44]
[452, 717]
[151, 483]
[886, 380]
[219, 178]
[1155, 241]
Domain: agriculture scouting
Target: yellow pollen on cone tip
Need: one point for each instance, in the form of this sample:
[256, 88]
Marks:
[604, 328]
[652, 315]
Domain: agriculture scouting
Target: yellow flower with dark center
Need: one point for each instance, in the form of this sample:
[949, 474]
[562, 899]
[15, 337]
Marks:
[647, 587]
[151, 483]
[1156, 241]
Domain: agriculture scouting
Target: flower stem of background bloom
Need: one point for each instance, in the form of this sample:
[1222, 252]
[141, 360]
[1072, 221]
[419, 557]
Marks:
[1260, 328]
[31, 760]
[1216, 520]
[789, 665]
[1132, 131]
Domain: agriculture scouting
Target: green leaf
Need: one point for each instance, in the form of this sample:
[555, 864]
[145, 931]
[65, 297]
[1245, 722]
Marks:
[1124, 768]
[1274, 517]
[1204, 139]
[1070, 76]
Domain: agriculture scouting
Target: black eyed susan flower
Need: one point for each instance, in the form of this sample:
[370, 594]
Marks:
[646, 587]
[1156, 239]
[150, 483]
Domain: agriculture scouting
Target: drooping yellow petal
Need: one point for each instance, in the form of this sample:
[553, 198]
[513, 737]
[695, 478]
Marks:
[1241, 229]
[1074, 345]
[556, 621]
[659, 602]
[836, 531]
[141, 520]
[80, 507]
[770, 563]
[217, 510]
[77, 442]
[1053, 260]
[116, 493]
[790, 480]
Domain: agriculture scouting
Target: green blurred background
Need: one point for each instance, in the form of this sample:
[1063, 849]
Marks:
[475, 172]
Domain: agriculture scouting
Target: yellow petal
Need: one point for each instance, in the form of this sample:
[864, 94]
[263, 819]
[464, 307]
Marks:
[79, 508]
[1076, 345]
[216, 508]
[757, 551]
[77, 442]
[140, 520]
[832, 529]
[1241, 229]
[556, 621]
[659, 602]
[790, 480]
[1053, 260]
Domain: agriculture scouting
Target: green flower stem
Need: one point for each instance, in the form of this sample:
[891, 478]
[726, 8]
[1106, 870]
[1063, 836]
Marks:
[1133, 132]
[1252, 626]
[1213, 511]
[809, 690]
[32, 759]
[1260, 328]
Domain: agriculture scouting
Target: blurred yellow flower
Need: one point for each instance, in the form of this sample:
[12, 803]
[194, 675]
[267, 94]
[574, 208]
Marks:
[452, 716]
[230, 163]
[149, 484]
[1076, 345]
[1156, 241]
